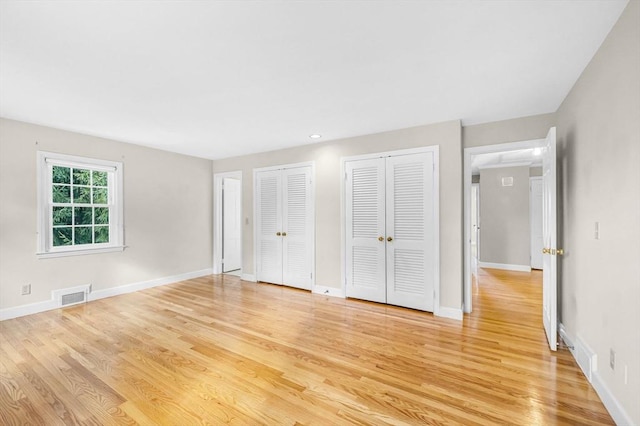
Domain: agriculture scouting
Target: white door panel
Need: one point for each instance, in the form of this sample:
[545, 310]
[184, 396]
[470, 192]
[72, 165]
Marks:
[231, 220]
[269, 225]
[297, 220]
[409, 229]
[549, 260]
[365, 223]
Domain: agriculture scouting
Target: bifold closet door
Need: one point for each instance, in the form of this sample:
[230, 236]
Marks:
[390, 230]
[285, 227]
[297, 221]
[365, 229]
[410, 228]
[269, 226]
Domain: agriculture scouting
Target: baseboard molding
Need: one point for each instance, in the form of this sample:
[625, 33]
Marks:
[505, 266]
[587, 360]
[328, 291]
[248, 277]
[617, 412]
[446, 312]
[47, 305]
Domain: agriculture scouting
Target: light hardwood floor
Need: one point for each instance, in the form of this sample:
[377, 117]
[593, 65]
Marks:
[216, 350]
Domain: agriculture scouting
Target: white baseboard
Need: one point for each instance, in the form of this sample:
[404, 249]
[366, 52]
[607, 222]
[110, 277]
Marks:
[587, 359]
[248, 277]
[617, 412]
[505, 266]
[47, 305]
[328, 291]
[446, 312]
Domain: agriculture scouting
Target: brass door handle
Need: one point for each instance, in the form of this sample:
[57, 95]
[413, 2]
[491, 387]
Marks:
[284, 234]
[560, 252]
[380, 238]
[545, 250]
[389, 239]
[278, 234]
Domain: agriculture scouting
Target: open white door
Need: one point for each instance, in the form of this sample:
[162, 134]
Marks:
[231, 225]
[549, 259]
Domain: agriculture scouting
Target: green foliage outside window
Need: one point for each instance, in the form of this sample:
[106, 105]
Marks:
[80, 211]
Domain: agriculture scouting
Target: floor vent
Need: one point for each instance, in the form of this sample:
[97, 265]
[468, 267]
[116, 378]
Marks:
[71, 296]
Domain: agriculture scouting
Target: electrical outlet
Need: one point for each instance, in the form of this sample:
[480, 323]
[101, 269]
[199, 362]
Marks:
[26, 289]
[612, 359]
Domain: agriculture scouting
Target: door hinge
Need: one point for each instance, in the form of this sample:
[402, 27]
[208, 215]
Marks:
[345, 175]
[311, 275]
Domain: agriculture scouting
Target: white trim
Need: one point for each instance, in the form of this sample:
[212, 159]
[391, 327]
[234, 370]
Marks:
[248, 277]
[328, 291]
[505, 266]
[613, 406]
[34, 308]
[446, 312]
[435, 149]
[469, 153]
[310, 164]
[96, 250]
[587, 360]
[217, 217]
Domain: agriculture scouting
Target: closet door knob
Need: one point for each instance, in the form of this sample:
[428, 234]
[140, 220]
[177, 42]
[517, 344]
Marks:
[278, 234]
[380, 238]
[389, 239]
[284, 234]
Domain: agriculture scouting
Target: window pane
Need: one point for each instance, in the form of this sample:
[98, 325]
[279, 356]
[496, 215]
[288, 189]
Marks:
[102, 216]
[83, 216]
[81, 176]
[101, 234]
[99, 178]
[82, 235]
[62, 237]
[100, 195]
[61, 194]
[62, 216]
[61, 174]
[81, 195]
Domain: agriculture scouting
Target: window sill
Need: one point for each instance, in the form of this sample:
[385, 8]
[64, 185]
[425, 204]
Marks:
[66, 253]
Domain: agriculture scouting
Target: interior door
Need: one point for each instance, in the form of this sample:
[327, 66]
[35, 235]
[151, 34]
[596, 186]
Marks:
[549, 259]
[231, 249]
[365, 230]
[409, 230]
[269, 226]
[297, 230]
[535, 215]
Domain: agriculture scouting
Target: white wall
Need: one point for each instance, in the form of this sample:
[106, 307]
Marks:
[599, 142]
[504, 216]
[328, 180]
[168, 199]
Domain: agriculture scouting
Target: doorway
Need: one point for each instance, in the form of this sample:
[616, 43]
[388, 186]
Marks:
[227, 235]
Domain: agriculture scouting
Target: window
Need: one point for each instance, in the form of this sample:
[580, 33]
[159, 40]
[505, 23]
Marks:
[80, 205]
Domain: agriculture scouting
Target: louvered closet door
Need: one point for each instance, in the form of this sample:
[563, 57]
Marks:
[269, 224]
[365, 223]
[410, 225]
[297, 221]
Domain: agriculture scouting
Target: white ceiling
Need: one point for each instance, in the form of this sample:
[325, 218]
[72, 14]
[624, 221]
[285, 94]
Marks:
[219, 79]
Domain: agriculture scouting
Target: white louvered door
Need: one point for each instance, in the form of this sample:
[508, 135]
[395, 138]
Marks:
[365, 239]
[269, 225]
[284, 218]
[409, 225]
[297, 221]
[390, 230]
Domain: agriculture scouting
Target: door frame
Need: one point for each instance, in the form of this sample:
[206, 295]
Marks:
[533, 179]
[217, 218]
[313, 209]
[469, 153]
[435, 149]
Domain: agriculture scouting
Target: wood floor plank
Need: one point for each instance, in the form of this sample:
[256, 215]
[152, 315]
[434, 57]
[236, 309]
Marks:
[218, 350]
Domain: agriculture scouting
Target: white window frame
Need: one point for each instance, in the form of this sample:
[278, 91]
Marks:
[45, 162]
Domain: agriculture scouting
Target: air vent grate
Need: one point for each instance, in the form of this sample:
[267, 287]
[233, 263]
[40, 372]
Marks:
[72, 298]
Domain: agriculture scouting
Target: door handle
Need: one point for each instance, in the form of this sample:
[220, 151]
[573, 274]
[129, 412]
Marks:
[389, 239]
[560, 252]
[380, 238]
[284, 234]
[278, 234]
[545, 250]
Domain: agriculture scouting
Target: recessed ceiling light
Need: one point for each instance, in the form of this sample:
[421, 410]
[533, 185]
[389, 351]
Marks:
[315, 136]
